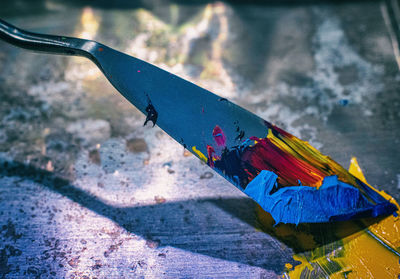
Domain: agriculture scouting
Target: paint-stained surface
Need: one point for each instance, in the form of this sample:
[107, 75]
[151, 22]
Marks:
[131, 201]
[367, 248]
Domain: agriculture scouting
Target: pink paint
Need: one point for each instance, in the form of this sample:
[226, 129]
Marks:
[219, 136]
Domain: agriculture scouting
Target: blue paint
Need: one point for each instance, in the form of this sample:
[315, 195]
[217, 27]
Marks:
[333, 201]
[344, 102]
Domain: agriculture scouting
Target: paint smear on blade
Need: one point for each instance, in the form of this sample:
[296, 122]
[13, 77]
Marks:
[273, 170]
[199, 154]
[356, 170]
[297, 204]
[219, 136]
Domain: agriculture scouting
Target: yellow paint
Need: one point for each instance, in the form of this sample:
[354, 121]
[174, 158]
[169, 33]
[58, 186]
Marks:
[288, 266]
[354, 251]
[299, 268]
[303, 151]
[199, 154]
[355, 170]
[388, 229]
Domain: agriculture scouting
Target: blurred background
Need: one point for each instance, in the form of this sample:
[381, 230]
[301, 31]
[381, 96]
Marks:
[129, 201]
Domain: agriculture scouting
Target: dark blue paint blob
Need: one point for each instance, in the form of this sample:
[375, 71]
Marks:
[240, 132]
[183, 143]
[152, 114]
[232, 167]
[333, 201]
[344, 102]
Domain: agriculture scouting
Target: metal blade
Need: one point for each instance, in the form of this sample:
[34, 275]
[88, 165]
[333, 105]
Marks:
[267, 163]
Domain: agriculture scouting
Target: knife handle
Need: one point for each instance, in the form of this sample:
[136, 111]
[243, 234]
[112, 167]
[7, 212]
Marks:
[46, 43]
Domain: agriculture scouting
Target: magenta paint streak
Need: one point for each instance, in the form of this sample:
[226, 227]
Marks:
[219, 136]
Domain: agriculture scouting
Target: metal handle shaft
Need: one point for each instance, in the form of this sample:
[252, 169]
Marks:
[46, 43]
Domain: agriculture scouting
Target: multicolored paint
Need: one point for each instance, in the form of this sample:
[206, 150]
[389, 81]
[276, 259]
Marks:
[273, 170]
[365, 248]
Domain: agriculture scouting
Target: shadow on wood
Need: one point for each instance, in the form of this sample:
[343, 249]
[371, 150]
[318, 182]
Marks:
[191, 224]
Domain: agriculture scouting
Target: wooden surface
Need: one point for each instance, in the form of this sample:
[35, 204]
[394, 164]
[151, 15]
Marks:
[88, 191]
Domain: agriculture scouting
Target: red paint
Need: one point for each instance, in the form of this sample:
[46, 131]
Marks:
[219, 136]
[100, 49]
[210, 152]
[265, 155]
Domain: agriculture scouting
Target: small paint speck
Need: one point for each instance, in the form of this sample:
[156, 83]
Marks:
[162, 255]
[101, 49]
[344, 102]
[206, 175]
[138, 71]
[159, 199]
[288, 266]
[152, 244]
